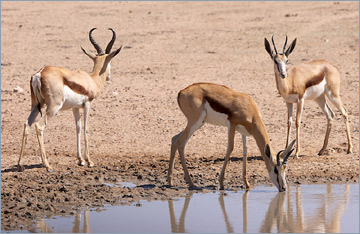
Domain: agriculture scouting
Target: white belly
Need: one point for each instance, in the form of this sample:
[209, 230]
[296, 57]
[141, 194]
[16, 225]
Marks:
[315, 91]
[72, 99]
[311, 93]
[215, 118]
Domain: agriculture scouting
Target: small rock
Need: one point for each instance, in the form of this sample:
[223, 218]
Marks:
[18, 89]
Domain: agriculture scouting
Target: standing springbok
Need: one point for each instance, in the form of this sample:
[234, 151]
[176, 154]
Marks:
[309, 81]
[219, 105]
[62, 89]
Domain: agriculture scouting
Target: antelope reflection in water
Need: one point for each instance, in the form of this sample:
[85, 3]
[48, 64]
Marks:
[279, 216]
[326, 218]
[43, 227]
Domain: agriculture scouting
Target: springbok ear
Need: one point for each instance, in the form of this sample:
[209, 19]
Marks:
[91, 55]
[114, 53]
[291, 48]
[268, 152]
[268, 48]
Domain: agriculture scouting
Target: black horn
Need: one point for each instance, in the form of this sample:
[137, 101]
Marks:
[272, 38]
[93, 42]
[285, 45]
[109, 46]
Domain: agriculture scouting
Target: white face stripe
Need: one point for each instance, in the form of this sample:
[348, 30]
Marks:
[280, 65]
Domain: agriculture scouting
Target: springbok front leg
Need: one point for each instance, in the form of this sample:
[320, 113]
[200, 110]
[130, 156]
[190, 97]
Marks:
[76, 112]
[40, 127]
[290, 120]
[33, 114]
[230, 147]
[86, 116]
[299, 109]
[247, 184]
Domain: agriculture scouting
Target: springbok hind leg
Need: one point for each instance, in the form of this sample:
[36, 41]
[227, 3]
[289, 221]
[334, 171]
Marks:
[174, 148]
[337, 102]
[33, 114]
[321, 101]
[193, 125]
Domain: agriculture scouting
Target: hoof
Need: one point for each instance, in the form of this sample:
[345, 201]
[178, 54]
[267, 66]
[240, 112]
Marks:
[349, 151]
[20, 168]
[91, 165]
[50, 170]
[321, 152]
[82, 163]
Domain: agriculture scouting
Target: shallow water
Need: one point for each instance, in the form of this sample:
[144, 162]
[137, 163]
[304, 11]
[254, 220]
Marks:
[304, 208]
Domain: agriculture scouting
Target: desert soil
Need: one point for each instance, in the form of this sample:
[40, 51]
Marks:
[167, 46]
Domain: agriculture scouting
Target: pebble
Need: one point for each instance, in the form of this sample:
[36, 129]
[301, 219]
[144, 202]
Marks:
[18, 89]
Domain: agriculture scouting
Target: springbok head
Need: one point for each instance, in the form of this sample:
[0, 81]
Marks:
[280, 60]
[277, 167]
[101, 57]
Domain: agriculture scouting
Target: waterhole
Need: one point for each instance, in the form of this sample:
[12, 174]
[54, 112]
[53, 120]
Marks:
[328, 208]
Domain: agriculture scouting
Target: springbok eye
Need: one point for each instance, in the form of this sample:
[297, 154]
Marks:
[276, 171]
[276, 62]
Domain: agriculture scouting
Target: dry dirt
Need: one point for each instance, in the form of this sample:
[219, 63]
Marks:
[167, 46]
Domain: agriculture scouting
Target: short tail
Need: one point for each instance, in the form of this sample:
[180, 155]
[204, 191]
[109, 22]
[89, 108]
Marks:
[35, 88]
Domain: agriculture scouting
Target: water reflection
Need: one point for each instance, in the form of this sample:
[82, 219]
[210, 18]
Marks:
[326, 218]
[309, 208]
[280, 215]
[43, 227]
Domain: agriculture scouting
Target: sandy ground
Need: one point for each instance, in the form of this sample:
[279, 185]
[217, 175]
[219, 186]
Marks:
[167, 46]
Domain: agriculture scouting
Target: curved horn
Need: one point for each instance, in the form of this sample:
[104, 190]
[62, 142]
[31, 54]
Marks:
[285, 45]
[287, 156]
[108, 47]
[93, 42]
[278, 158]
[272, 38]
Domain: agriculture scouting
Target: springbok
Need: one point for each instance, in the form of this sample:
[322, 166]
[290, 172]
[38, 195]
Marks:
[309, 81]
[219, 105]
[62, 89]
